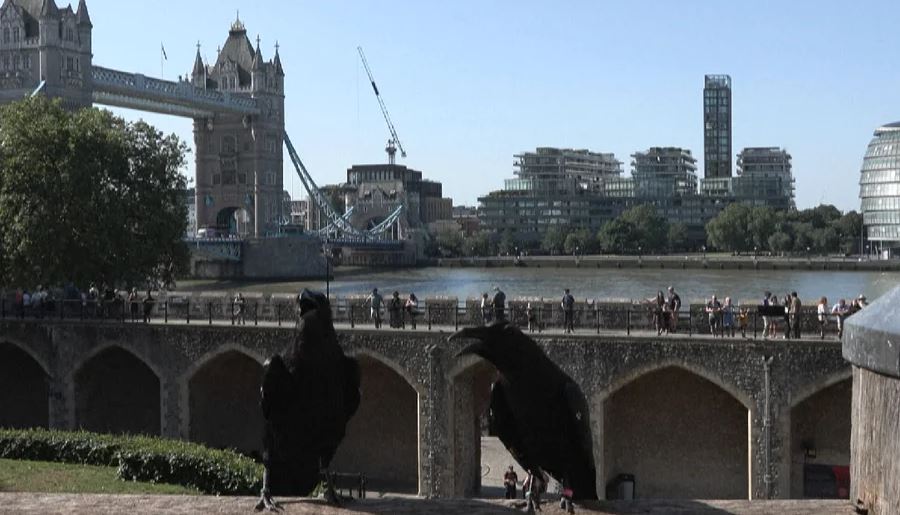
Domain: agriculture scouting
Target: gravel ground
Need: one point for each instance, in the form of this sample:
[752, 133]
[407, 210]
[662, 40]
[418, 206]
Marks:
[20, 503]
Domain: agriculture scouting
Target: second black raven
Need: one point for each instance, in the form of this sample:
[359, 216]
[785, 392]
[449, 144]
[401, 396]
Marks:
[308, 395]
[536, 410]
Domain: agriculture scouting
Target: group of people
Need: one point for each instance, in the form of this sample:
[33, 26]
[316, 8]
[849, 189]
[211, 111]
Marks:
[665, 309]
[395, 308]
[493, 308]
[839, 311]
[724, 317]
[534, 485]
[102, 302]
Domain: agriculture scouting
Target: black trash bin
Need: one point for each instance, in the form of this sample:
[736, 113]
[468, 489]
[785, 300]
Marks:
[621, 487]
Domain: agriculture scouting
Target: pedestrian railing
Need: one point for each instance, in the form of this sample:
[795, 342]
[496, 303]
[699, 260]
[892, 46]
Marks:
[587, 318]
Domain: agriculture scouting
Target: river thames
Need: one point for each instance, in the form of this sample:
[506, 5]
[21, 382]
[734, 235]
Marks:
[693, 285]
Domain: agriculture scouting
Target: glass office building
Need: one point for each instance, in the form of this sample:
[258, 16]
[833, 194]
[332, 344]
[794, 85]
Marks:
[879, 190]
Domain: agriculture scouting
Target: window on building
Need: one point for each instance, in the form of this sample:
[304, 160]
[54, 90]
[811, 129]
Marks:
[242, 178]
[217, 179]
[15, 34]
[229, 144]
[70, 64]
[271, 144]
[6, 35]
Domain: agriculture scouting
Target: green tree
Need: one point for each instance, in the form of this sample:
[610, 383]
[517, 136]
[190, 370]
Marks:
[780, 242]
[761, 223]
[478, 244]
[554, 240]
[617, 237]
[507, 243]
[849, 229]
[729, 230]
[650, 229]
[449, 243]
[677, 237]
[580, 241]
[86, 196]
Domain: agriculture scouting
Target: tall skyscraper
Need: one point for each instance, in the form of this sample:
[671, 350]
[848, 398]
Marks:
[717, 126]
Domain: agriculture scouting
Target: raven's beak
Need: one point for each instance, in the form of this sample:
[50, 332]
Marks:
[476, 333]
[472, 333]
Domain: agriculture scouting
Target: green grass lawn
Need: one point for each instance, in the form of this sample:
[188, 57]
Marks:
[39, 476]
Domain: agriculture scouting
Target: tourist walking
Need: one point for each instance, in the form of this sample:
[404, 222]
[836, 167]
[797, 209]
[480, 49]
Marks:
[728, 318]
[773, 320]
[788, 331]
[840, 311]
[822, 315]
[532, 320]
[568, 307]
[486, 309]
[499, 304]
[148, 305]
[657, 307]
[673, 303]
[133, 300]
[743, 321]
[374, 301]
[713, 310]
[532, 487]
[510, 480]
[766, 302]
[794, 314]
[565, 498]
[239, 309]
[412, 307]
[394, 310]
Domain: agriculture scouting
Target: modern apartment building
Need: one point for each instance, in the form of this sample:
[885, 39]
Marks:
[764, 177]
[717, 135]
[662, 172]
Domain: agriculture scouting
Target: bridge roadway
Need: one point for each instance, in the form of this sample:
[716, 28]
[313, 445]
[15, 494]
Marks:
[688, 416]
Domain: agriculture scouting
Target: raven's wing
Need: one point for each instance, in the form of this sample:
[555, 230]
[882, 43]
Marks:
[275, 391]
[503, 424]
[582, 472]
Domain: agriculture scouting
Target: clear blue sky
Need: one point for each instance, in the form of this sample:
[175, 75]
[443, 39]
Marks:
[469, 83]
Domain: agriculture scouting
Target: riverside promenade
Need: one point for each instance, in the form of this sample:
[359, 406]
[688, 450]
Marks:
[679, 261]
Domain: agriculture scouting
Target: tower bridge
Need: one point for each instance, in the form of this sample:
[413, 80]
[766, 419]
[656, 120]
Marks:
[236, 103]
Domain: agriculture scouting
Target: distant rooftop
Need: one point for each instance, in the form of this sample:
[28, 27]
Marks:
[890, 127]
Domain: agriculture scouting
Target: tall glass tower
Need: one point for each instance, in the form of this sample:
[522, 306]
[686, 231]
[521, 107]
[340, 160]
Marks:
[717, 126]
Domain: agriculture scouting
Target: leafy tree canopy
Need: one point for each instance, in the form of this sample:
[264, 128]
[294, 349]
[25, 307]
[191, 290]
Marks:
[86, 196]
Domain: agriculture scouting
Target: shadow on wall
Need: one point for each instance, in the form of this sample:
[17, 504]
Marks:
[24, 390]
[115, 392]
[679, 435]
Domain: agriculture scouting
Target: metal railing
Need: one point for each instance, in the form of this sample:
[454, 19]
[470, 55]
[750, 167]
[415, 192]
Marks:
[597, 318]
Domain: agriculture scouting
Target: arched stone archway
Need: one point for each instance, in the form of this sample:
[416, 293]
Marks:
[223, 402]
[24, 389]
[116, 392]
[678, 433]
[382, 439]
[820, 442]
[471, 391]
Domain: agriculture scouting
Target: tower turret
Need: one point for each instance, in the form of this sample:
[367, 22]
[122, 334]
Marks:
[257, 70]
[198, 75]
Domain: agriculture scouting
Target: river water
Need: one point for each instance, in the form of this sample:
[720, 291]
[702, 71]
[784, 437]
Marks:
[604, 283]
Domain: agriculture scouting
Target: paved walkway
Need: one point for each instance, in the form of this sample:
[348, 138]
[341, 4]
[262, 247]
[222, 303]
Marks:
[20, 503]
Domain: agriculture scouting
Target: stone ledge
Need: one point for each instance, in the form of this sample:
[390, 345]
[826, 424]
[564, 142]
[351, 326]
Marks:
[872, 336]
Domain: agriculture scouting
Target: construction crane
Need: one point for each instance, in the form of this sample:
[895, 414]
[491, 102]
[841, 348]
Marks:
[394, 143]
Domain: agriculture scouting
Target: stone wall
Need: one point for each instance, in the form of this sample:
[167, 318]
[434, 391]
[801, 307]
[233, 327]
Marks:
[436, 398]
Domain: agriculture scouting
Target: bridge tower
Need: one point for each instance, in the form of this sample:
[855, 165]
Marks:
[41, 42]
[239, 158]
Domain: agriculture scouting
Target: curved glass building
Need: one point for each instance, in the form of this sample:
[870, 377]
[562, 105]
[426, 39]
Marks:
[879, 190]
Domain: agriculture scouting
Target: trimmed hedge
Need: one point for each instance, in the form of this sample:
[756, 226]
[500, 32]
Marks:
[139, 458]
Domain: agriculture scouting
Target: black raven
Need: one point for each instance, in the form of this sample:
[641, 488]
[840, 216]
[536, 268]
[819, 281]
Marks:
[308, 395]
[536, 410]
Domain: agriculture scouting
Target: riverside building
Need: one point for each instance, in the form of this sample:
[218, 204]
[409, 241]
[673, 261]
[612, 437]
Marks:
[879, 191]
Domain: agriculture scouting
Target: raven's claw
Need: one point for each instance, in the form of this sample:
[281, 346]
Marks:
[267, 503]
